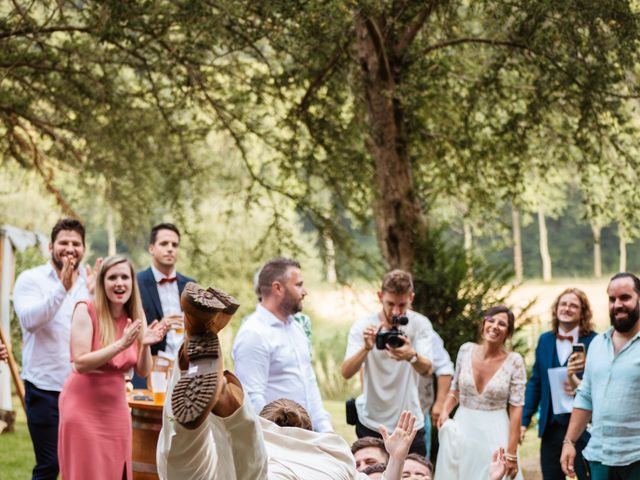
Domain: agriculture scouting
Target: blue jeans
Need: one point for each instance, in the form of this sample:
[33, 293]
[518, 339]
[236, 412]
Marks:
[604, 472]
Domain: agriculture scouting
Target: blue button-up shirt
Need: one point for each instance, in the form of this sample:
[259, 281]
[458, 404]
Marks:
[610, 389]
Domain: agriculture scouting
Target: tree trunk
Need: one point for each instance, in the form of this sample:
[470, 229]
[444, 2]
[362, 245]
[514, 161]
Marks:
[397, 212]
[597, 253]
[111, 235]
[517, 243]
[468, 246]
[330, 260]
[622, 235]
[544, 245]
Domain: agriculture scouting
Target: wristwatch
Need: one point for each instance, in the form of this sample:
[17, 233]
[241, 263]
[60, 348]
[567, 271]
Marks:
[414, 358]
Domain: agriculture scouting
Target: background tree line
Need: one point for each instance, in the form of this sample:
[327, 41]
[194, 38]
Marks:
[392, 117]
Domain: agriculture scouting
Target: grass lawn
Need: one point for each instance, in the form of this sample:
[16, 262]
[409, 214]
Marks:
[16, 451]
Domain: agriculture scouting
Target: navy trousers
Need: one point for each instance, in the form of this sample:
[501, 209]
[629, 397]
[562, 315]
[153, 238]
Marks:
[551, 448]
[42, 420]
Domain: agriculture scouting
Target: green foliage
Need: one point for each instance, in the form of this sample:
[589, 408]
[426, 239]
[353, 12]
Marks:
[328, 355]
[453, 289]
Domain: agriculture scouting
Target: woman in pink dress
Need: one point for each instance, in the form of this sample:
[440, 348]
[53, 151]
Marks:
[108, 337]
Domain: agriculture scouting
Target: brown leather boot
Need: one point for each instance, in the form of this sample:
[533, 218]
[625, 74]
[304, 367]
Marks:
[231, 396]
[206, 312]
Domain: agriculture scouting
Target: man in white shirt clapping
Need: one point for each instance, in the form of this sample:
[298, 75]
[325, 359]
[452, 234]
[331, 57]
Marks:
[44, 298]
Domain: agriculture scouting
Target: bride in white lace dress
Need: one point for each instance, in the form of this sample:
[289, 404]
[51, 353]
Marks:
[489, 383]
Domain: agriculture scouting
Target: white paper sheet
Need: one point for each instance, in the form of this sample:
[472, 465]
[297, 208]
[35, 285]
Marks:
[562, 403]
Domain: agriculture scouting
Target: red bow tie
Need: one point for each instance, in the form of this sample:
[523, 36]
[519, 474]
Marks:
[565, 337]
[167, 280]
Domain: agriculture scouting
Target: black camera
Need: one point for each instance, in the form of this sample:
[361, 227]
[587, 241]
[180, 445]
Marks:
[393, 335]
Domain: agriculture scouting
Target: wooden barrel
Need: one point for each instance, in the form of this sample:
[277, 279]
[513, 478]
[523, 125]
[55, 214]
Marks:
[146, 421]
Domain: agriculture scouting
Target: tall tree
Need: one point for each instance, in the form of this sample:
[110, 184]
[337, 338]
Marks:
[442, 94]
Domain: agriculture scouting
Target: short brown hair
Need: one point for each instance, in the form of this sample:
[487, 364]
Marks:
[273, 271]
[67, 224]
[287, 413]
[586, 315]
[398, 282]
[421, 460]
[366, 442]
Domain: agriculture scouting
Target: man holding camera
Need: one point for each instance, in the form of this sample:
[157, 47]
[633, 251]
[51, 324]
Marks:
[394, 347]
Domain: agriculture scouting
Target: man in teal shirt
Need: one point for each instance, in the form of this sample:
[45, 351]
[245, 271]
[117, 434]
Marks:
[609, 392]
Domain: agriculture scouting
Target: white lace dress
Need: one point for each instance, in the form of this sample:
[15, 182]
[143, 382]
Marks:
[481, 423]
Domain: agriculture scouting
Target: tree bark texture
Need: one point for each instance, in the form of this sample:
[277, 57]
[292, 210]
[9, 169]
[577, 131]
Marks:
[544, 245]
[597, 253]
[517, 243]
[622, 236]
[397, 212]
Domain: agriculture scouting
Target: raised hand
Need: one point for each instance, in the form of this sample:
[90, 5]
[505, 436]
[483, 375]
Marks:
[498, 466]
[130, 334]
[154, 332]
[369, 337]
[92, 275]
[68, 272]
[398, 443]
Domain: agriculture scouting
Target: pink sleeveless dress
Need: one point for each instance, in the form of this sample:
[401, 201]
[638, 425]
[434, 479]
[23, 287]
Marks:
[94, 437]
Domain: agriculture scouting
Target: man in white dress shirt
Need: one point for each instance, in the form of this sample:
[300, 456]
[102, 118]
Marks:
[271, 351]
[44, 298]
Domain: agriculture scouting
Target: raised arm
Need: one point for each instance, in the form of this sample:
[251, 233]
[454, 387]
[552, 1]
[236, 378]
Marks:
[34, 307]
[84, 360]
[360, 343]
[397, 444]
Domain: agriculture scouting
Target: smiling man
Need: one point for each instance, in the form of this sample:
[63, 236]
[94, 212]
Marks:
[44, 298]
[570, 324]
[271, 351]
[160, 288]
[609, 392]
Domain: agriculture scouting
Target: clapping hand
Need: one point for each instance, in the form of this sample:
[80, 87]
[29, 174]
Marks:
[154, 332]
[4, 353]
[92, 275]
[130, 334]
[397, 444]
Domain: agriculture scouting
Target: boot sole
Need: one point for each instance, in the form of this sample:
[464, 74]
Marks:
[198, 390]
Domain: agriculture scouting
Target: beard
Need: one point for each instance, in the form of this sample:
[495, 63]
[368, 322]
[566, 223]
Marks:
[57, 261]
[290, 304]
[625, 325]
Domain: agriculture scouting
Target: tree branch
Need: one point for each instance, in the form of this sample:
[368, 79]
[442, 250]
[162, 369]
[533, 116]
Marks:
[412, 30]
[31, 31]
[378, 42]
[488, 41]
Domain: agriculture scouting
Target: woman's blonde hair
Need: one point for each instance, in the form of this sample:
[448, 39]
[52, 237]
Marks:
[133, 307]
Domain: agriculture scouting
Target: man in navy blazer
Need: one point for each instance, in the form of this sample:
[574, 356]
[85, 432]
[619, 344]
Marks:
[571, 323]
[160, 289]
